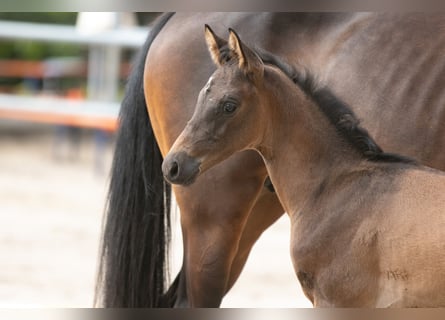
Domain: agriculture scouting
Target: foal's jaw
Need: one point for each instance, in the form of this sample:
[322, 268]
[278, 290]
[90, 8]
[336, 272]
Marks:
[180, 168]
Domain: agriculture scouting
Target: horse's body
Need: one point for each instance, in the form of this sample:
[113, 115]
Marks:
[368, 228]
[391, 69]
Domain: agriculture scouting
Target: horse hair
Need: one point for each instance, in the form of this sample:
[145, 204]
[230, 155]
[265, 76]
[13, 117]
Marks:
[136, 233]
[337, 111]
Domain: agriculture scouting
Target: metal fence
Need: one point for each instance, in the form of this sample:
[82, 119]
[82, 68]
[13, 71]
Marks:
[104, 50]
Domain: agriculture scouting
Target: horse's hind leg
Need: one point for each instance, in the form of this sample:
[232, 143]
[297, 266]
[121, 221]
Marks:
[266, 211]
[214, 212]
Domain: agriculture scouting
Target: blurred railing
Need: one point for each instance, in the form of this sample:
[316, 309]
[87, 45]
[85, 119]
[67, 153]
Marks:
[100, 109]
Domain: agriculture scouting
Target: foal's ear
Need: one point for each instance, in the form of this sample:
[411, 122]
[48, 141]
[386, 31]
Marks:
[215, 44]
[248, 60]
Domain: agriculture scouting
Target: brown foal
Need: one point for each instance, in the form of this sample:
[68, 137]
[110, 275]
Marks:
[368, 227]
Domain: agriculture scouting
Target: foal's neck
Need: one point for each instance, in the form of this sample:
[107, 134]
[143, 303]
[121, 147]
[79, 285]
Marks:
[301, 148]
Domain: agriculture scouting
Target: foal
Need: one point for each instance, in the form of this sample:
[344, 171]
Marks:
[368, 228]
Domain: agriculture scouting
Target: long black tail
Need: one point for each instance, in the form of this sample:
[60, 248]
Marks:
[134, 251]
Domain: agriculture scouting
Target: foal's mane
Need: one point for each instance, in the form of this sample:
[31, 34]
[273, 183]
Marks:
[337, 111]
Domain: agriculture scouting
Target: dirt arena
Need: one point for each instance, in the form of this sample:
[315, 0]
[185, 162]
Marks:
[51, 206]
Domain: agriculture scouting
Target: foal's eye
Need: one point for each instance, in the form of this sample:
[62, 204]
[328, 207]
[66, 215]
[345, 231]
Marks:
[229, 107]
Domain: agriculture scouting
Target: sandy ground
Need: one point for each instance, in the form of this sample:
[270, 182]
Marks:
[50, 219]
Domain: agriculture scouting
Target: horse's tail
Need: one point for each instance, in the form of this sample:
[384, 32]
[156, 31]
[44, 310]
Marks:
[133, 265]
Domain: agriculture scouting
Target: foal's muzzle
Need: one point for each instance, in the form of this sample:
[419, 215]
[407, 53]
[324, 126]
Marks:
[180, 168]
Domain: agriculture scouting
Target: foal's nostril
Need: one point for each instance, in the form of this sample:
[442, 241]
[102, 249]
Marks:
[174, 169]
[180, 168]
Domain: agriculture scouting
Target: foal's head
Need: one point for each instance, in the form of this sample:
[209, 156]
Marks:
[228, 116]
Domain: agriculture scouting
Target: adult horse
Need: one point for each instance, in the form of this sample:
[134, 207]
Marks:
[367, 227]
[392, 72]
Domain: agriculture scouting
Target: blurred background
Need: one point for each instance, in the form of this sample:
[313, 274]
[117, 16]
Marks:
[62, 76]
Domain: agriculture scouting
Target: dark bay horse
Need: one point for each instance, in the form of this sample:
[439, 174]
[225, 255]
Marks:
[392, 72]
[367, 227]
